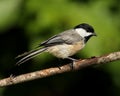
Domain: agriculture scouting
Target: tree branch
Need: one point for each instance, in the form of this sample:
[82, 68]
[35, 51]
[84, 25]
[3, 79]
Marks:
[65, 68]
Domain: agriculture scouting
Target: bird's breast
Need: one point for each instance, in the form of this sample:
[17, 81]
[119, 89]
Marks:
[65, 50]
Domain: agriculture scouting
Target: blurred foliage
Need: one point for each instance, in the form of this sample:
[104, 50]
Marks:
[8, 13]
[26, 23]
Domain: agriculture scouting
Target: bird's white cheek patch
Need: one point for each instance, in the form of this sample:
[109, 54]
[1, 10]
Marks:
[83, 32]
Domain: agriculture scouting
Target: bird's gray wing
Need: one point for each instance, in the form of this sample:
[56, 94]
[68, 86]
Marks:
[68, 37]
[71, 36]
[55, 40]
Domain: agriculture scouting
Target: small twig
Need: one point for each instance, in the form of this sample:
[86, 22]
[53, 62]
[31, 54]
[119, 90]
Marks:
[66, 68]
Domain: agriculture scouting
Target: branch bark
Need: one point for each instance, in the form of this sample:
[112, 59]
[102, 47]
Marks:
[65, 68]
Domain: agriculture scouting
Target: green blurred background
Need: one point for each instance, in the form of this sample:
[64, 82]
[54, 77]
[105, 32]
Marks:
[26, 23]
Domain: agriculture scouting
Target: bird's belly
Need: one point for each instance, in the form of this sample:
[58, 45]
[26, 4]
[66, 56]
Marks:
[65, 50]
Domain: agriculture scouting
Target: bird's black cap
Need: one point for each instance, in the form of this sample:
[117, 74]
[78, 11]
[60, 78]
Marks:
[85, 26]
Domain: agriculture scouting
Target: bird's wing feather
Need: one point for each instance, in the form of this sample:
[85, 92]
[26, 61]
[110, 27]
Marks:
[52, 41]
[67, 37]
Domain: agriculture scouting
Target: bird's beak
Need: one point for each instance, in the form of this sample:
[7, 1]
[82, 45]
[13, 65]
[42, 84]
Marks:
[94, 34]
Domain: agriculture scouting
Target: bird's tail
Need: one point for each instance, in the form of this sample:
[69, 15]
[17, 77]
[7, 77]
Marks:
[29, 55]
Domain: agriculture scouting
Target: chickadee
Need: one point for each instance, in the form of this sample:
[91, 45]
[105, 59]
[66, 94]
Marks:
[63, 45]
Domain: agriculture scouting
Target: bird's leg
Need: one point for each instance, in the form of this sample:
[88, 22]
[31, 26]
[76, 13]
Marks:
[59, 63]
[73, 61]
